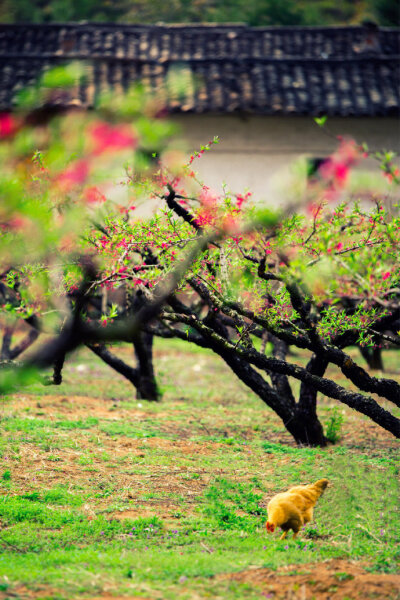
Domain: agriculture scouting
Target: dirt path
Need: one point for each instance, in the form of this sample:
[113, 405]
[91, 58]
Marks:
[330, 580]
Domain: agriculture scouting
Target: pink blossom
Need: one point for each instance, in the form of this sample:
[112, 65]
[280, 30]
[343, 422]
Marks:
[386, 275]
[341, 173]
[336, 168]
[107, 137]
[8, 125]
[208, 212]
[391, 175]
[239, 201]
[92, 195]
[75, 174]
[237, 239]
[229, 224]
[17, 222]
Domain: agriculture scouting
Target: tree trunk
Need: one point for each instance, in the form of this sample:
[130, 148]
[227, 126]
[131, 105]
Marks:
[300, 419]
[306, 428]
[5, 353]
[146, 387]
[115, 363]
[24, 344]
[280, 382]
[373, 357]
[57, 370]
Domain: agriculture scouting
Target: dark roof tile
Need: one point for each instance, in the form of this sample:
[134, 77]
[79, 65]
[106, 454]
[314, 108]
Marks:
[287, 70]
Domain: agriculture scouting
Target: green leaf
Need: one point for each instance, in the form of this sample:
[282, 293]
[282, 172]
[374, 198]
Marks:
[14, 378]
[266, 217]
[63, 76]
[320, 121]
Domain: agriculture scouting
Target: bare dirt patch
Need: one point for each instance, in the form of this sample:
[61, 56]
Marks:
[330, 580]
[168, 513]
[184, 447]
[76, 407]
[362, 433]
[110, 597]
[23, 593]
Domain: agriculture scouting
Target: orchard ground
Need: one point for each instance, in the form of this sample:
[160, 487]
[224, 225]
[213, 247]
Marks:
[104, 496]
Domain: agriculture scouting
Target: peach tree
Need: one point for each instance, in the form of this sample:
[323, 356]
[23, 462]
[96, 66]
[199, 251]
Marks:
[322, 277]
[58, 165]
[217, 270]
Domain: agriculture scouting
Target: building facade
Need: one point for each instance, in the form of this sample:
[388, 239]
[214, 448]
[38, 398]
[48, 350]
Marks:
[258, 89]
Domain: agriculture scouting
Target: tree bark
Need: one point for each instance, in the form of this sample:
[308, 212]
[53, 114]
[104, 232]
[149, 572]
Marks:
[299, 419]
[147, 388]
[115, 363]
[57, 370]
[279, 381]
[5, 346]
[307, 405]
[24, 344]
[373, 358]
[363, 404]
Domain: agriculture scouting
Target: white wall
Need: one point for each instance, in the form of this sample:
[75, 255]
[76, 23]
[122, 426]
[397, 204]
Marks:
[257, 152]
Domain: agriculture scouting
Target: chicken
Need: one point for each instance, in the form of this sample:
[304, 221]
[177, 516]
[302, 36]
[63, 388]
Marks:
[294, 508]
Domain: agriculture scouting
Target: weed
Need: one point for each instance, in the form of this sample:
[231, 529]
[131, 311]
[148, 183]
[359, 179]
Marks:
[272, 448]
[234, 505]
[197, 495]
[344, 576]
[334, 425]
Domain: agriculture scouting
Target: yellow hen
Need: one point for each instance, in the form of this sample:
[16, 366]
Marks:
[294, 508]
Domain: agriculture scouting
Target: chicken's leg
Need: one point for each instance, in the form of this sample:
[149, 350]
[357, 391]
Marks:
[284, 534]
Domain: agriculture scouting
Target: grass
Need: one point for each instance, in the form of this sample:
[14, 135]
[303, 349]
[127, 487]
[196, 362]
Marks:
[103, 494]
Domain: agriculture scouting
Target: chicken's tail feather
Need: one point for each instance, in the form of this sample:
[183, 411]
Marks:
[320, 486]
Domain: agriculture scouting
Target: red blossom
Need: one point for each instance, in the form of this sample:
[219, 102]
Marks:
[8, 125]
[391, 175]
[75, 174]
[239, 201]
[68, 242]
[341, 174]
[17, 222]
[208, 212]
[238, 239]
[336, 169]
[229, 224]
[386, 275]
[108, 137]
[92, 195]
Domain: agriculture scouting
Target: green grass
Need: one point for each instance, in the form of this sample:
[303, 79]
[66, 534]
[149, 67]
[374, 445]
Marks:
[100, 492]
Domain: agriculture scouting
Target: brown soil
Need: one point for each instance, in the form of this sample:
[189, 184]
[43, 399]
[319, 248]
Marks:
[331, 580]
[109, 597]
[76, 407]
[36, 467]
[43, 592]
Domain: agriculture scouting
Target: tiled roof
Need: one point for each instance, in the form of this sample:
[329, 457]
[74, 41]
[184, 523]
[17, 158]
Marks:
[226, 68]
